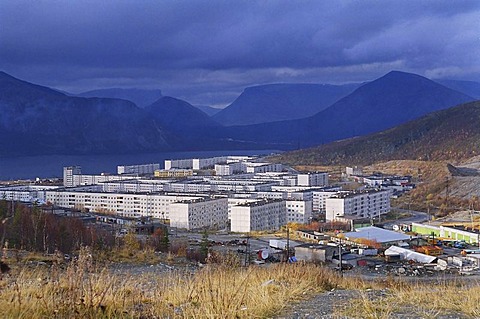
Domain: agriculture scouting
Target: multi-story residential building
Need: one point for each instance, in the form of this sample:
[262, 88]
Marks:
[127, 204]
[299, 211]
[234, 201]
[313, 179]
[259, 215]
[142, 169]
[72, 177]
[179, 163]
[262, 167]
[173, 173]
[319, 197]
[199, 213]
[25, 193]
[134, 186]
[68, 173]
[229, 169]
[205, 163]
[367, 204]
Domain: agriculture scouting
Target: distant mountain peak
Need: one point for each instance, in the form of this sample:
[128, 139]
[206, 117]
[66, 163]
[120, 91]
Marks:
[281, 101]
[140, 97]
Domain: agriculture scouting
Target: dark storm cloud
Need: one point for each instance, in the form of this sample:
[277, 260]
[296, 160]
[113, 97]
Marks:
[207, 51]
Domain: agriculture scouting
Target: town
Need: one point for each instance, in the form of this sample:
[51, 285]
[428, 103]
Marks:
[280, 214]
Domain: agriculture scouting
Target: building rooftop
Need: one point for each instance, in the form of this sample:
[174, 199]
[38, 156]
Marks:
[377, 234]
[260, 202]
[353, 194]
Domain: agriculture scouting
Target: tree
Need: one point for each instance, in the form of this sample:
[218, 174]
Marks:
[160, 240]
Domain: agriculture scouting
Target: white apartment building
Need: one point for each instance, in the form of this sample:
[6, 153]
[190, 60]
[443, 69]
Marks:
[127, 204]
[319, 198]
[205, 163]
[368, 204]
[199, 213]
[229, 169]
[313, 179]
[68, 173]
[72, 177]
[262, 167]
[234, 201]
[257, 216]
[355, 170]
[179, 163]
[299, 211]
[134, 186]
[26, 194]
[141, 169]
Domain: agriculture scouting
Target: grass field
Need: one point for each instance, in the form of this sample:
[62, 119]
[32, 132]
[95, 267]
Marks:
[81, 289]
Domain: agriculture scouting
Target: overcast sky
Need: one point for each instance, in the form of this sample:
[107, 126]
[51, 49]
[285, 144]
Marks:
[207, 52]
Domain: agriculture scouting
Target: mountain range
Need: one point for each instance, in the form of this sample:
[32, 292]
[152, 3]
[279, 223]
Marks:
[39, 120]
[451, 134]
[277, 102]
[141, 98]
[390, 100]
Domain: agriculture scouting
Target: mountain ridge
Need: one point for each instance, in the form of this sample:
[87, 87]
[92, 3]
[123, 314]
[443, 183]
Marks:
[281, 101]
[142, 98]
[38, 120]
[450, 134]
[390, 100]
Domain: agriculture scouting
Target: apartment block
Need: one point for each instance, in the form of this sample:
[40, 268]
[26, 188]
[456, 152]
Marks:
[367, 204]
[258, 216]
[142, 169]
[299, 211]
[127, 204]
[313, 179]
[199, 213]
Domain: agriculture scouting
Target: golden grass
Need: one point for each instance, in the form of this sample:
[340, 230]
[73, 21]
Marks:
[82, 291]
[425, 300]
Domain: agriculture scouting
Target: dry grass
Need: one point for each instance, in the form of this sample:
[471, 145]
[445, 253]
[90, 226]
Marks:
[82, 291]
[424, 300]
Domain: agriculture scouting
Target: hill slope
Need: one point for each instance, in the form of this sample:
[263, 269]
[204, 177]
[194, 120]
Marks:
[188, 126]
[38, 120]
[276, 102]
[393, 99]
[470, 88]
[451, 134]
[210, 111]
[141, 98]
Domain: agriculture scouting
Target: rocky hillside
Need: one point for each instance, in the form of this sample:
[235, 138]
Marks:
[451, 134]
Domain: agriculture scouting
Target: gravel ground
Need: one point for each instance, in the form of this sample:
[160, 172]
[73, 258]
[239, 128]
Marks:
[332, 305]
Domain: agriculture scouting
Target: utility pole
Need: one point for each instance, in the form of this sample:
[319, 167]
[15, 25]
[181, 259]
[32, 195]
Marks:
[247, 252]
[340, 257]
[288, 244]
[446, 191]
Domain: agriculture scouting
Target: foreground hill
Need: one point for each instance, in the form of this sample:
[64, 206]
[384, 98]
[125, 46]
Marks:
[451, 134]
[141, 98]
[393, 99]
[277, 102]
[38, 120]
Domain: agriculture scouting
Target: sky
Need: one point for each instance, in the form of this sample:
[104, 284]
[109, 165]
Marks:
[207, 52]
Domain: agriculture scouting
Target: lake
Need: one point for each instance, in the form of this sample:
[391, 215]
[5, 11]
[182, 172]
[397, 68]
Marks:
[51, 166]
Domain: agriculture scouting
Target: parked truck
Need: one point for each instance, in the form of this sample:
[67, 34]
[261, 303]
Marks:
[278, 243]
